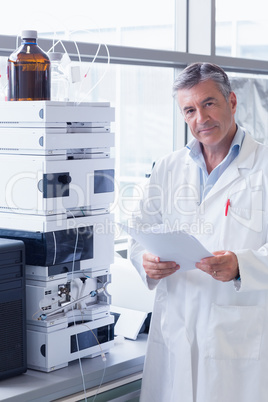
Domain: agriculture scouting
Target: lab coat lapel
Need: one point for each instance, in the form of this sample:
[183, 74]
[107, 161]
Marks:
[191, 175]
[226, 179]
[244, 160]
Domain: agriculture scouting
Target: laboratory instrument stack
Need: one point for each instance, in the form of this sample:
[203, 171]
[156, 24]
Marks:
[57, 187]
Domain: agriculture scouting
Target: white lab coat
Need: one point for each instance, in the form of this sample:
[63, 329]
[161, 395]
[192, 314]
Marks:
[209, 340]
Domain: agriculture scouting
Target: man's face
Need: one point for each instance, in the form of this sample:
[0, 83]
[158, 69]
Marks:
[209, 116]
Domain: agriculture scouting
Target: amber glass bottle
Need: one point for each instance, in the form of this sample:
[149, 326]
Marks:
[28, 71]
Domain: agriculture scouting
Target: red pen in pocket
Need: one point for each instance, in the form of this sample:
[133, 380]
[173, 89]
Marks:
[228, 203]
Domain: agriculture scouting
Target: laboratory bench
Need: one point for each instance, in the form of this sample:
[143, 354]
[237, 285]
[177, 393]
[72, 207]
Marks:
[122, 370]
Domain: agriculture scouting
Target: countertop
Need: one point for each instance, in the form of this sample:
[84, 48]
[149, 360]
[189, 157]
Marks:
[124, 359]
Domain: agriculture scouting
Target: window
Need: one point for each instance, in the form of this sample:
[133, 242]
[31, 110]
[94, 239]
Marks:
[139, 23]
[143, 101]
[243, 32]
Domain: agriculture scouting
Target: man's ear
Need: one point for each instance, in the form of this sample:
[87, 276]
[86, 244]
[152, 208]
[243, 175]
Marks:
[233, 102]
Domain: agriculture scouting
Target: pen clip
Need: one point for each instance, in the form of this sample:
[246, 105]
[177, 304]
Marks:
[228, 203]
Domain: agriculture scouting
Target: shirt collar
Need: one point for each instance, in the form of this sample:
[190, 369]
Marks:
[195, 148]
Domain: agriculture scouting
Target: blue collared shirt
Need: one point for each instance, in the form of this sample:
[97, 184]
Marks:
[207, 181]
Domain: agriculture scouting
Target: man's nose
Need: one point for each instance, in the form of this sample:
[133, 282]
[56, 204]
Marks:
[201, 115]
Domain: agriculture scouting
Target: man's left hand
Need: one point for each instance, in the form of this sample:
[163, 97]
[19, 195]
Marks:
[223, 266]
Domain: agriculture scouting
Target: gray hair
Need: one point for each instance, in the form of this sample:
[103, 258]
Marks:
[200, 72]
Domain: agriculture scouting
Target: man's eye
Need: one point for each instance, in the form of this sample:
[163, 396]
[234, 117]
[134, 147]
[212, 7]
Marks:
[189, 111]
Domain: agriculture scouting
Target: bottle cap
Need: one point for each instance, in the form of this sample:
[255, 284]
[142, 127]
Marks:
[29, 34]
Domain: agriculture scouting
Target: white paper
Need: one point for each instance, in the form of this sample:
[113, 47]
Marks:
[129, 322]
[176, 246]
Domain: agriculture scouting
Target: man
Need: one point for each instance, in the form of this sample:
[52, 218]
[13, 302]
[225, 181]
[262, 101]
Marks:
[208, 340]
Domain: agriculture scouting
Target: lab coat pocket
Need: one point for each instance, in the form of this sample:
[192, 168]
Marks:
[235, 332]
[249, 219]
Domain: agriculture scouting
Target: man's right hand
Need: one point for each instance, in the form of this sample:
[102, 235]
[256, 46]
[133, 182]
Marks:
[157, 269]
